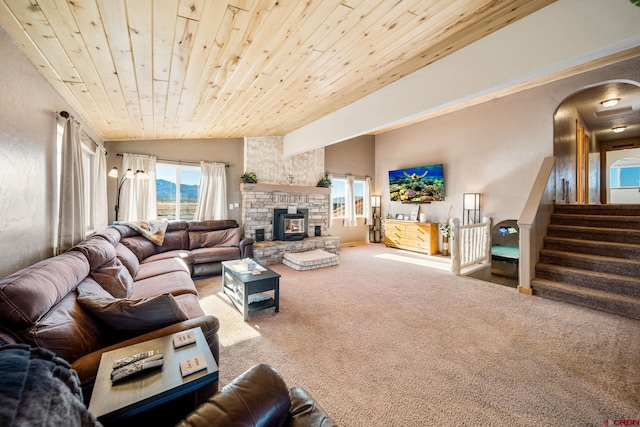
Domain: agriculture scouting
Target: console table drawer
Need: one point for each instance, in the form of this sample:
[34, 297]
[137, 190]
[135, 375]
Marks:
[415, 236]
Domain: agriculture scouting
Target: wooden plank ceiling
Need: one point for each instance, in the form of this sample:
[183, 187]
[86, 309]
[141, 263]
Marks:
[171, 69]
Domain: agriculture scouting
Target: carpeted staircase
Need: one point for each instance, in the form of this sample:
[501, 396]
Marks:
[591, 257]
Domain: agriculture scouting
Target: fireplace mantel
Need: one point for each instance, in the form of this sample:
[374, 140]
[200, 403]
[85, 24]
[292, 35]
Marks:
[272, 188]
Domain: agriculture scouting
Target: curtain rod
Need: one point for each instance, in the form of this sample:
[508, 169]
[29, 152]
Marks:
[180, 162]
[66, 115]
[344, 175]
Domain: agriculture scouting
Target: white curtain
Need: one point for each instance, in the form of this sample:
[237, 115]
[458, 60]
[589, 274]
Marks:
[350, 203]
[71, 218]
[212, 193]
[138, 195]
[367, 200]
[330, 176]
[100, 204]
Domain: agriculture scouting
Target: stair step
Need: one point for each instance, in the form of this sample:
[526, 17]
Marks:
[594, 233]
[593, 298]
[593, 247]
[609, 209]
[621, 267]
[622, 222]
[590, 279]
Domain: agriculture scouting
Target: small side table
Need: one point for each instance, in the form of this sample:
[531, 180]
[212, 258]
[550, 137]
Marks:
[115, 402]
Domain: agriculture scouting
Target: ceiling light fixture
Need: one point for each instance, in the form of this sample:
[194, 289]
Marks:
[619, 129]
[610, 102]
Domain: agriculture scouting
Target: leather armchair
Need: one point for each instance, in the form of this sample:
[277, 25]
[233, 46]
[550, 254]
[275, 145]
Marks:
[259, 397]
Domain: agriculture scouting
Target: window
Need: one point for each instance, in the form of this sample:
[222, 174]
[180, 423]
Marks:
[177, 190]
[88, 174]
[625, 173]
[338, 194]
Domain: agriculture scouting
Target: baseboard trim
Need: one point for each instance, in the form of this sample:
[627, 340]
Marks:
[356, 243]
[526, 291]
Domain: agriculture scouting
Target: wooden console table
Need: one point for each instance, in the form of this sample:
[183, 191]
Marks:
[412, 236]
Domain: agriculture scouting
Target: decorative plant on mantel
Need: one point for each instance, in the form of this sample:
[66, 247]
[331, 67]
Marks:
[249, 178]
[324, 182]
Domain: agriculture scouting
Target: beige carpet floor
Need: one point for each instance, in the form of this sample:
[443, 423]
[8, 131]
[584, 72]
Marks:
[386, 339]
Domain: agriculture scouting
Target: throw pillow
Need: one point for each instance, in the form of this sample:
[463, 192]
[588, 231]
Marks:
[228, 237]
[114, 278]
[133, 315]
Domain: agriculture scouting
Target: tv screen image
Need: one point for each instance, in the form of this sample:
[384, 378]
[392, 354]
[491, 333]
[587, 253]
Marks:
[421, 184]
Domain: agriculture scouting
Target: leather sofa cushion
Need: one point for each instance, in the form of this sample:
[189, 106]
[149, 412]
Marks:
[176, 283]
[97, 250]
[128, 259]
[68, 330]
[305, 411]
[218, 253]
[160, 267]
[258, 397]
[114, 278]
[132, 315]
[28, 294]
[198, 228]
[177, 225]
[140, 246]
[190, 304]
[228, 237]
[125, 231]
[174, 240]
[212, 225]
[111, 235]
[182, 254]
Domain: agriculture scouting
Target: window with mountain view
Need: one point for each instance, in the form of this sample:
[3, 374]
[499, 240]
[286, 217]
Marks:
[338, 194]
[177, 191]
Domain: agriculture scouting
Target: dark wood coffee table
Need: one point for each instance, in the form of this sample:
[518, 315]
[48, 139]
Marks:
[238, 284]
[116, 402]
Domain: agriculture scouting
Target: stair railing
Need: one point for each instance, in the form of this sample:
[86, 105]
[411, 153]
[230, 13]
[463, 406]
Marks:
[470, 245]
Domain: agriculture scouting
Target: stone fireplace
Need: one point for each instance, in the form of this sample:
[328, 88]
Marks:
[262, 205]
[284, 183]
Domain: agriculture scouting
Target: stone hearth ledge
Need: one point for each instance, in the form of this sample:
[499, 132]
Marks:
[267, 253]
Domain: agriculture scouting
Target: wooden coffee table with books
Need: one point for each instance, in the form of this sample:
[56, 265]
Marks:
[114, 402]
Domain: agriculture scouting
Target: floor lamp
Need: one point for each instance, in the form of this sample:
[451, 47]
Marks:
[471, 208]
[375, 230]
[113, 173]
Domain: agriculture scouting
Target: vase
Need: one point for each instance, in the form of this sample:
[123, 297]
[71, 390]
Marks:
[445, 246]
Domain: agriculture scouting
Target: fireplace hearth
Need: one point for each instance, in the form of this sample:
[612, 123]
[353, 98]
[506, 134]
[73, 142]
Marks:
[290, 226]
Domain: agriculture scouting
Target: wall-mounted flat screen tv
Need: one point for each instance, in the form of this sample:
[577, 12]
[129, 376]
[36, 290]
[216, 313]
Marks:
[423, 184]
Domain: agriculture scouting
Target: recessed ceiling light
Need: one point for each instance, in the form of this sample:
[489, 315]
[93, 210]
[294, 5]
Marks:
[610, 102]
[618, 129]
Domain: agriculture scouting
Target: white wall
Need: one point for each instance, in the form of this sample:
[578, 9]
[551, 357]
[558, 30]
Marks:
[494, 148]
[27, 160]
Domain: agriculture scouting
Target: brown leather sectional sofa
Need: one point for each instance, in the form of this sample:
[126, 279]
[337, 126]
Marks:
[259, 397]
[117, 288]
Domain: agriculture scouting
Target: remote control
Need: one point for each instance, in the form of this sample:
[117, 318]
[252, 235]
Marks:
[130, 359]
[136, 368]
